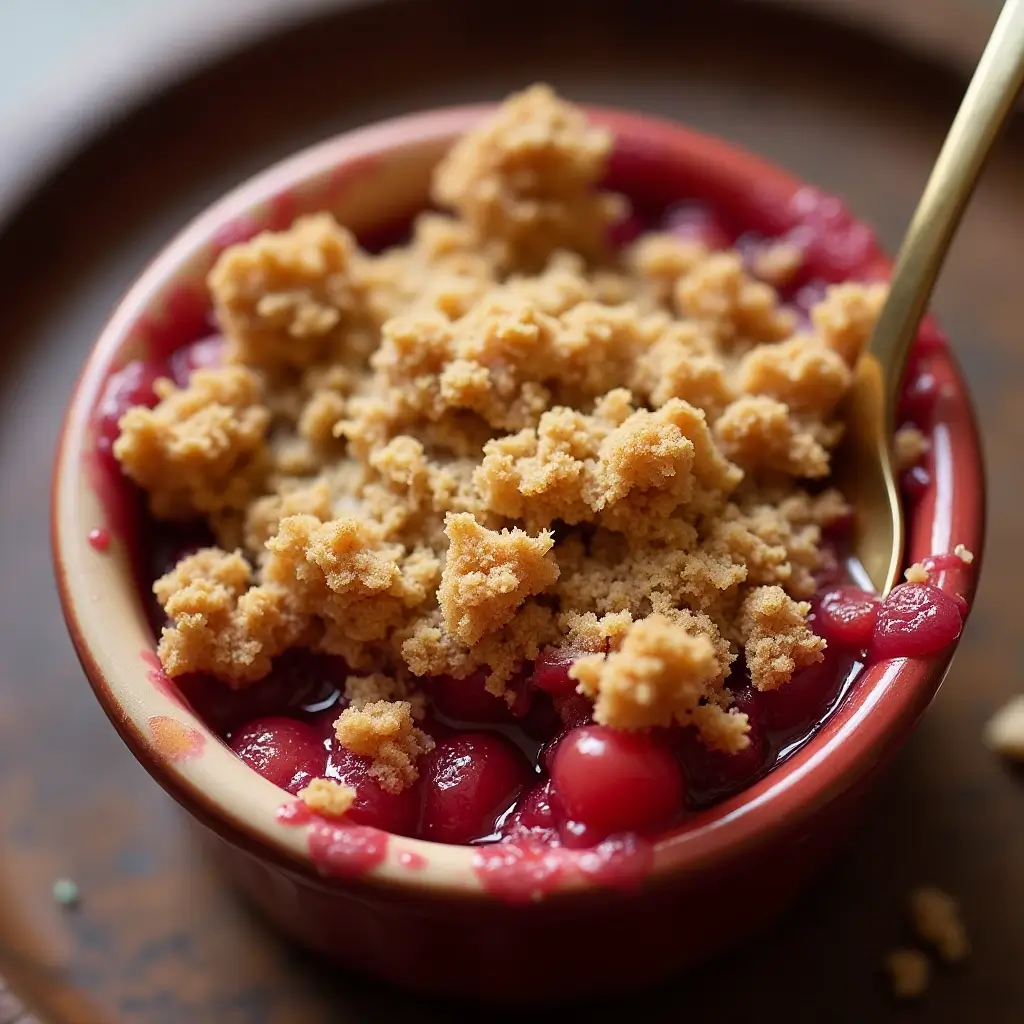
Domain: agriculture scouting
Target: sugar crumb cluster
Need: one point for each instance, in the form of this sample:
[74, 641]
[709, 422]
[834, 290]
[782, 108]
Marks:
[501, 436]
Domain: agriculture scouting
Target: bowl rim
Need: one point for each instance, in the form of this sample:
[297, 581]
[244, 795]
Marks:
[886, 699]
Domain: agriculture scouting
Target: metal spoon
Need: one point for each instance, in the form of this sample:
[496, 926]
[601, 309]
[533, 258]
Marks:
[870, 481]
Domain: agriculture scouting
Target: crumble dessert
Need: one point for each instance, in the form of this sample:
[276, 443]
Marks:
[510, 476]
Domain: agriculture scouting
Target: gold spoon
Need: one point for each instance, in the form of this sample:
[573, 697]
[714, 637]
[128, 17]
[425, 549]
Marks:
[868, 473]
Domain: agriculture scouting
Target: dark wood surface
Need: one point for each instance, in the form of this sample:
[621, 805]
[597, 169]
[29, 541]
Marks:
[157, 937]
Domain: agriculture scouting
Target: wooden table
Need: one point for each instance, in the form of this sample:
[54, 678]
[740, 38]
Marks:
[157, 937]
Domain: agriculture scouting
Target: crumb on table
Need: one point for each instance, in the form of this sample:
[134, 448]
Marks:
[909, 973]
[935, 916]
[1004, 731]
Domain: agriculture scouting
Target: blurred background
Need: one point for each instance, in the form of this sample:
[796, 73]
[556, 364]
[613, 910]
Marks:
[121, 119]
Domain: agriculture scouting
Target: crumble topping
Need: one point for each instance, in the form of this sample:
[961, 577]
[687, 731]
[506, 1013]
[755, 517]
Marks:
[488, 575]
[936, 920]
[1004, 732]
[499, 437]
[909, 972]
[776, 638]
[328, 797]
[203, 449]
[669, 666]
[383, 731]
[362, 690]
[846, 317]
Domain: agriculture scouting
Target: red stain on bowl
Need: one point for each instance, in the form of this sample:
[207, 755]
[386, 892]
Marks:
[412, 861]
[175, 740]
[520, 871]
[346, 850]
[156, 674]
[99, 539]
[339, 850]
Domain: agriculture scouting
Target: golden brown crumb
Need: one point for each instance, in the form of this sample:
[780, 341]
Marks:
[802, 372]
[286, 298]
[916, 573]
[665, 667]
[526, 179]
[909, 973]
[363, 690]
[219, 622]
[328, 797]
[776, 638]
[845, 318]
[965, 556]
[501, 437]
[759, 433]
[778, 263]
[1004, 732]
[384, 732]
[909, 446]
[936, 920]
[202, 450]
[488, 575]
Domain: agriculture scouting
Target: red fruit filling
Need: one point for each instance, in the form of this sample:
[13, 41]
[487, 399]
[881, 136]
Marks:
[200, 355]
[285, 752]
[551, 672]
[804, 700]
[392, 812]
[916, 619]
[846, 617]
[469, 780]
[609, 781]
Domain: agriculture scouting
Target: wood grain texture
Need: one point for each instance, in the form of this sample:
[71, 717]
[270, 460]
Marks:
[158, 937]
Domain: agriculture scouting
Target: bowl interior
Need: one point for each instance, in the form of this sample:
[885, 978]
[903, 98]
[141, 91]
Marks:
[371, 179]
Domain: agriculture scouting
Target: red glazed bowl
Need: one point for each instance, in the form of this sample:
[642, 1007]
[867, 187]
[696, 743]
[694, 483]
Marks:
[426, 915]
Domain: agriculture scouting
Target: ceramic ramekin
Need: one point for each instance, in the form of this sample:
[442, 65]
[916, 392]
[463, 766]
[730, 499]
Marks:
[424, 916]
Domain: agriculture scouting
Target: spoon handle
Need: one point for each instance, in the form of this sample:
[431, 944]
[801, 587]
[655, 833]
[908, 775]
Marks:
[984, 110]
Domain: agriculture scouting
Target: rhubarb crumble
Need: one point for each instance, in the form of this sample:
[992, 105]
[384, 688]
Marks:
[515, 477]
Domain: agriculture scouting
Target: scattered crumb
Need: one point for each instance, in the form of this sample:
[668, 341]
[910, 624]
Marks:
[916, 573]
[909, 446]
[328, 797]
[936, 920]
[1004, 732]
[384, 732]
[65, 892]
[502, 436]
[965, 556]
[909, 973]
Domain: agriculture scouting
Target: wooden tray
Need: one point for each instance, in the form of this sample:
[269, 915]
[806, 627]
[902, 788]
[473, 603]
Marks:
[157, 937]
